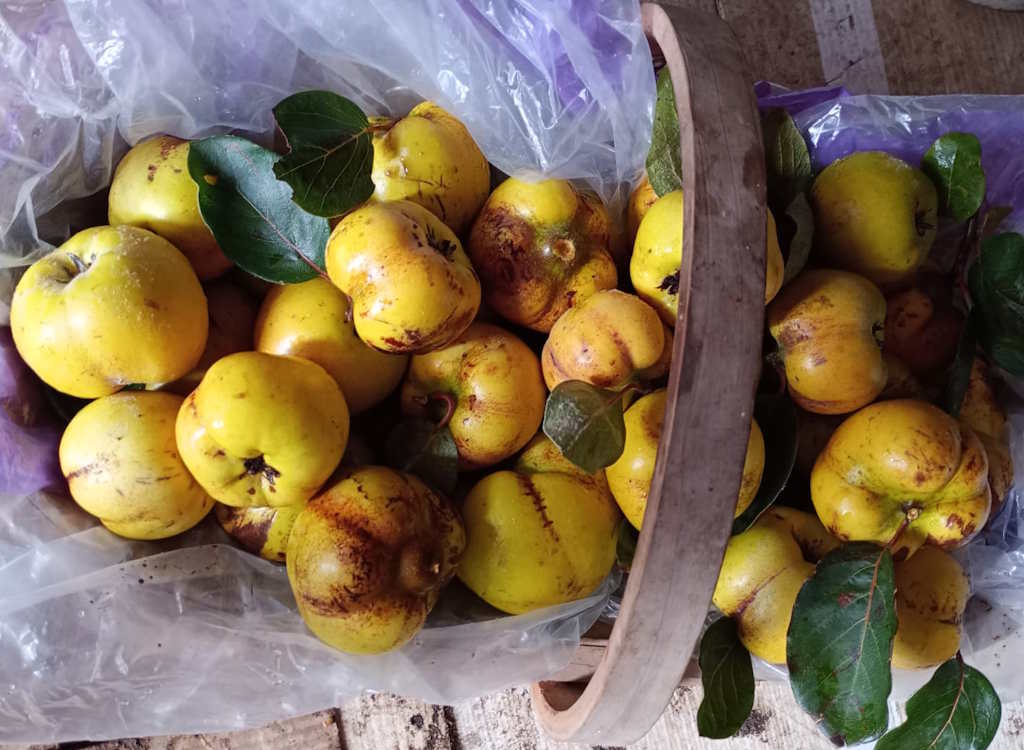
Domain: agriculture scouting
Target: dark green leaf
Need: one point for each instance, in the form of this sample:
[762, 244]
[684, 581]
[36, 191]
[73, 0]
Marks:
[586, 424]
[798, 226]
[839, 644]
[776, 416]
[251, 213]
[992, 219]
[996, 282]
[957, 709]
[625, 548]
[960, 372]
[134, 387]
[787, 160]
[728, 679]
[664, 163]
[421, 447]
[954, 164]
[330, 154]
[1007, 351]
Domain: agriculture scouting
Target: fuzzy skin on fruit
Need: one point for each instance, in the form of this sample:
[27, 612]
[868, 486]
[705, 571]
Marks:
[931, 596]
[313, 320]
[262, 429]
[658, 255]
[412, 287]
[152, 189]
[121, 462]
[367, 559]
[902, 472]
[428, 157]
[763, 570]
[775, 266]
[110, 307]
[540, 248]
[496, 382]
[541, 534]
[607, 340]
[874, 215]
[753, 469]
[640, 202]
[828, 325]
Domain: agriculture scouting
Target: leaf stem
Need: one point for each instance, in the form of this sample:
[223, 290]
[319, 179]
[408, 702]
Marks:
[447, 399]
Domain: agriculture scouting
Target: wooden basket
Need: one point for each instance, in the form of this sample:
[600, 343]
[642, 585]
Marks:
[715, 369]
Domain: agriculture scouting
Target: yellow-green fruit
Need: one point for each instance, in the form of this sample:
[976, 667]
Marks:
[263, 429]
[1000, 470]
[874, 214]
[903, 473]
[539, 535]
[540, 248]
[110, 307]
[428, 157]
[232, 316]
[629, 478]
[152, 189]
[262, 531]
[828, 325]
[753, 469]
[495, 383]
[122, 465]
[412, 287]
[775, 266]
[640, 202]
[313, 320]
[931, 596]
[367, 559]
[607, 340]
[763, 570]
[658, 254]
[980, 410]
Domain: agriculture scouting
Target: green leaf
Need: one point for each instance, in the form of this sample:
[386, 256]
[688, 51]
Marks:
[728, 679]
[664, 162]
[625, 547]
[776, 416]
[957, 709]
[251, 213]
[425, 449]
[960, 372]
[954, 164]
[787, 160]
[586, 424]
[996, 282]
[330, 154]
[798, 228]
[839, 644]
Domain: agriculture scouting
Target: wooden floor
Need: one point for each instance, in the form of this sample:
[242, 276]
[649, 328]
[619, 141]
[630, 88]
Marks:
[885, 46]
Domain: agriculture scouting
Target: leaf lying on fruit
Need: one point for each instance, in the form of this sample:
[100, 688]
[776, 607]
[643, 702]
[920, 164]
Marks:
[427, 450]
[586, 424]
[788, 161]
[251, 213]
[330, 154]
[954, 164]
[957, 709]
[728, 679]
[839, 644]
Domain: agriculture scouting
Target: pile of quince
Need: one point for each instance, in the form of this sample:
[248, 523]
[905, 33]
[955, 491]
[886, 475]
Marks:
[199, 386]
[865, 340]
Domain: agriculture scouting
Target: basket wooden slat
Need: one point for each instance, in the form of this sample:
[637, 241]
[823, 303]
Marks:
[716, 363]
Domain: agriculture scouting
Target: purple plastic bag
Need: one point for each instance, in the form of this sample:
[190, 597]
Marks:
[29, 434]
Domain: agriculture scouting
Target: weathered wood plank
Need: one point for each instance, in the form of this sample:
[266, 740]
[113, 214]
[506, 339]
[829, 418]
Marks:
[389, 722]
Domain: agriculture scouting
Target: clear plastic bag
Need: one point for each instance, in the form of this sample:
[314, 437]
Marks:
[101, 637]
[836, 123]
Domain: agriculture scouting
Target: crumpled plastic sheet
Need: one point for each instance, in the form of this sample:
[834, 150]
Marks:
[836, 123]
[101, 637]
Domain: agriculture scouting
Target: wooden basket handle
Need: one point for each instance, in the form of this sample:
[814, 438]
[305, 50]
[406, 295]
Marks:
[716, 365]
